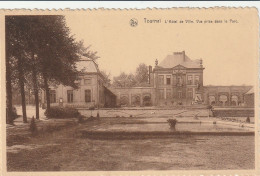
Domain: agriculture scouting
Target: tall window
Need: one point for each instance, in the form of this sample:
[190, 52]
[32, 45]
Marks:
[87, 95]
[168, 79]
[161, 79]
[190, 93]
[197, 79]
[179, 94]
[168, 93]
[87, 81]
[70, 96]
[53, 96]
[161, 94]
[189, 79]
[179, 80]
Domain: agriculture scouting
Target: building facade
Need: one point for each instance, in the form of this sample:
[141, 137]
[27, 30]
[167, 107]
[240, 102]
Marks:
[178, 80]
[226, 95]
[135, 96]
[92, 91]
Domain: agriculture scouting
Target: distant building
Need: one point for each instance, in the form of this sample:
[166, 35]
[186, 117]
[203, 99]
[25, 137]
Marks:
[92, 89]
[250, 98]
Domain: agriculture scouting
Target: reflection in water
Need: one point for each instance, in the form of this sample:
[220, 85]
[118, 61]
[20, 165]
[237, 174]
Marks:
[172, 128]
[193, 127]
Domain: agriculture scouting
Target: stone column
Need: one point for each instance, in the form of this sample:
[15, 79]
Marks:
[164, 91]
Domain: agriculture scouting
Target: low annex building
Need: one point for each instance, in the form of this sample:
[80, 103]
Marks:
[92, 92]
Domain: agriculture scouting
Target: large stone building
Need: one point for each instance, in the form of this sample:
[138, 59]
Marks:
[177, 80]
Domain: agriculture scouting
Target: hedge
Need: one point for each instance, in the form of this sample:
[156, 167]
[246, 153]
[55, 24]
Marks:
[62, 113]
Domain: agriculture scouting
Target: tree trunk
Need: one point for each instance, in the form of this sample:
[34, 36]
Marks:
[46, 87]
[21, 84]
[36, 92]
[9, 111]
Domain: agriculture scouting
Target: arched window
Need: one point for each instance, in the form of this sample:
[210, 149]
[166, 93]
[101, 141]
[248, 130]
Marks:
[87, 96]
[147, 100]
[212, 100]
[234, 100]
[223, 99]
[136, 100]
[124, 100]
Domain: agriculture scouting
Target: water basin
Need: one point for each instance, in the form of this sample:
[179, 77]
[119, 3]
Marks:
[192, 127]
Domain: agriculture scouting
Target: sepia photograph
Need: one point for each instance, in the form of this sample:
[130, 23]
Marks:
[131, 90]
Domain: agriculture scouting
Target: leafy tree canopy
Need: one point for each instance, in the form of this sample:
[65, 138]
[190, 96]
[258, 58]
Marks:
[45, 41]
[140, 78]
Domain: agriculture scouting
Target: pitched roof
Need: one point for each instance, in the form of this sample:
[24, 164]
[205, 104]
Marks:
[180, 58]
[87, 65]
[251, 91]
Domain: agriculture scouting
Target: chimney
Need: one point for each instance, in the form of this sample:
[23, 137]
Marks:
[150, 69]
[183, 53]
[201, 63]
[156, 62]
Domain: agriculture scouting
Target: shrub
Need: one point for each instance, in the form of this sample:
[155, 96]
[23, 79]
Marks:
[61, 113]
[12, 116]
[33, 127]
[81, 118]
[14, 113]
[172, 122]
[91, 118]
[209, 107]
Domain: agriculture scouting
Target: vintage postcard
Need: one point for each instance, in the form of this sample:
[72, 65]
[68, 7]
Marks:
[130, 92]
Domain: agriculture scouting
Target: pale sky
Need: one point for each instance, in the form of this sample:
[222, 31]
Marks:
[228, 51]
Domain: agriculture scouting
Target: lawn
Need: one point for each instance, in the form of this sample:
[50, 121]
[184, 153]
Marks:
[66, 150]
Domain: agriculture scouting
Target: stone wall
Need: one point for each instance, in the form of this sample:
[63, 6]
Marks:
[226, 95]
[249, 100]
[135, 96]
